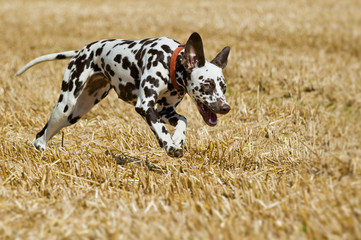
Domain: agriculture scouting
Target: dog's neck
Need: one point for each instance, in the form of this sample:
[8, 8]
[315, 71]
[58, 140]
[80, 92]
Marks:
[182, 76]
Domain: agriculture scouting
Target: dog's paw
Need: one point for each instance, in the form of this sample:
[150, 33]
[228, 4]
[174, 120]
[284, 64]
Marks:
[179, 135]
[178, 140]
[175, 152]
[37, 146]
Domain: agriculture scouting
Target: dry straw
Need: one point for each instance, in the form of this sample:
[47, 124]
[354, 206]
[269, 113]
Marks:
[284, 163]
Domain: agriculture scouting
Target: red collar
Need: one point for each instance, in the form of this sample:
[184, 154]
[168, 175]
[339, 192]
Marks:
[173, 62]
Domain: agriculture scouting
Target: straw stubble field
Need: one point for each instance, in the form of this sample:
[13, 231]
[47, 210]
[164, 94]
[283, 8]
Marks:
[284, 163]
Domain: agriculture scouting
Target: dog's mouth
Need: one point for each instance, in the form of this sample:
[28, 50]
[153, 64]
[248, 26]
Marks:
[208, 116]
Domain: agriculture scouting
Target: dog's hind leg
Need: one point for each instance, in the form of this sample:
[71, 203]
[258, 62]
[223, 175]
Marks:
[76, 99]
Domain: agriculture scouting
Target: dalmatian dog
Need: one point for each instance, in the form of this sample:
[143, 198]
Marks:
[152, 74]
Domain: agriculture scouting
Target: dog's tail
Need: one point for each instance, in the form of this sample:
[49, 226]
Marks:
[49, 57]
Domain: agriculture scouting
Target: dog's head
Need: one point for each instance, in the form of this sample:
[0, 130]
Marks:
[206, 84]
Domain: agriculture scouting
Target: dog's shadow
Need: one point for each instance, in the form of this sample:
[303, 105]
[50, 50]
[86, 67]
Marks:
[123, 159]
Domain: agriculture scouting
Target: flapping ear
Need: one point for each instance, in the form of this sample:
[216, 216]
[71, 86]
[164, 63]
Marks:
[221, 59]
[193, 54]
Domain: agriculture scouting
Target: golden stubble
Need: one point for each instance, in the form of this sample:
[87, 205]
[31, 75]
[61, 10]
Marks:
[284, 163]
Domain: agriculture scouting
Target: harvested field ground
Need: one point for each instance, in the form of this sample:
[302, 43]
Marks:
[285, 163]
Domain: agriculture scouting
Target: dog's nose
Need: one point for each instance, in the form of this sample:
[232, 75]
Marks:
[225, 108]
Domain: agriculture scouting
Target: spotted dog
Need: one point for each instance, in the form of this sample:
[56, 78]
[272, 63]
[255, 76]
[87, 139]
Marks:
[152, 74]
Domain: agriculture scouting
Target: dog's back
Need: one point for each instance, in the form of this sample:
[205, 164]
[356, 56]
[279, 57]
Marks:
[123, 62]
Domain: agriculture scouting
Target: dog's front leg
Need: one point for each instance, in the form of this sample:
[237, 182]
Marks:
[179, 122]
[146, 108]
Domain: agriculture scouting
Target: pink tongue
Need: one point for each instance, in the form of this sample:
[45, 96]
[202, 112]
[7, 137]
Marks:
[209, 117]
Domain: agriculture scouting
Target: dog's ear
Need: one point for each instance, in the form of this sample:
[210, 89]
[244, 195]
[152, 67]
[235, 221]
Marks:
[193, 54]
[221, 59]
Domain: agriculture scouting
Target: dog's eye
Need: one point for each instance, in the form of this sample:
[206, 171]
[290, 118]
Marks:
[208, 87]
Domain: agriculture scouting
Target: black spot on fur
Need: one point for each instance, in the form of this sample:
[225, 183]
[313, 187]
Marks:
[159, 58]
[153, 81]
[147, 41]
[125, 92]
[134, 73]
[118, 58]
[173, 121]
[64, 86]
[161, 144]
[162, 101]
[99, 51]
[151, 104]
[109, 70]
[124, 42]
[65, 108]
[41, 133]
[60, 98]
[78, 87]
[89, 45]
[222, 83]
[81, 62]
[149, 92]
[70, 65]
[159, 74]
[70, 86]
[60, 56]
[164, 130]
[96, 68]
[140, 111]
[126, 63]
[166, 48]
[152, 116]
[168, 111]
[132, 44]
[102, 63]
[144, 40]
[72, 119]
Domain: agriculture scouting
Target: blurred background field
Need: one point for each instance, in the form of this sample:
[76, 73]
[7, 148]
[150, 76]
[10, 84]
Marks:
[283, 164]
